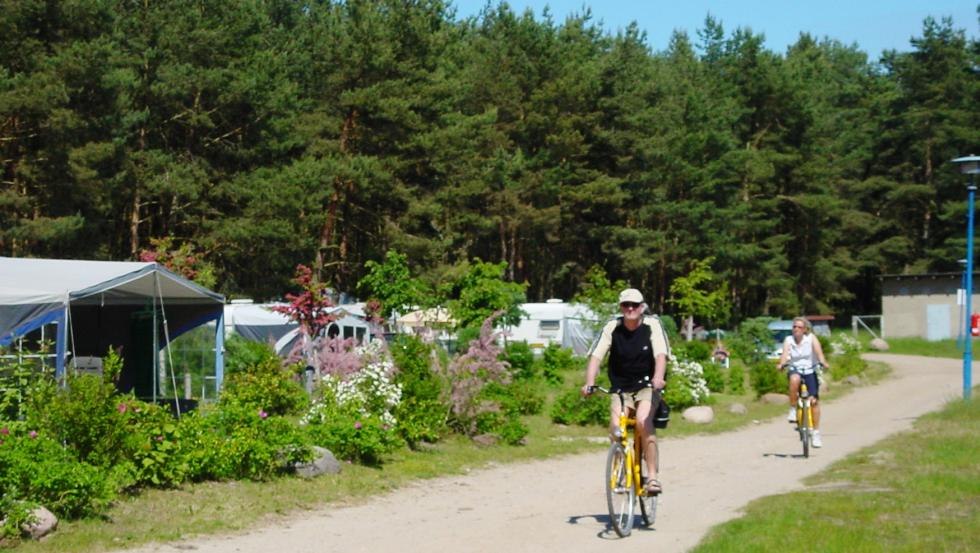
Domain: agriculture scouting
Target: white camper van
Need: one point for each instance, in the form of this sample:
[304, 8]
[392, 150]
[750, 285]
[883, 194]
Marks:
[569, 325]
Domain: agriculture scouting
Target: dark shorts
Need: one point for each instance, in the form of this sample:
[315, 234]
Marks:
[811, 381]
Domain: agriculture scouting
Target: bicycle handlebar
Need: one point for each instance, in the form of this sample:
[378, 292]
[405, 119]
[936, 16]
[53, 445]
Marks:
[815, 366]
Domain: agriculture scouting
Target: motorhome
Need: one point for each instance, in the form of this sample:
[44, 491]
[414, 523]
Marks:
[569, 325]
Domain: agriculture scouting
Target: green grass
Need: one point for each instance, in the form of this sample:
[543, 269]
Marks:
[918, 491]
[917, 346]
[216, 507]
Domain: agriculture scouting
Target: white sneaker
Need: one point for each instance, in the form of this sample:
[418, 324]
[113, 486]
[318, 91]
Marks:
[816, 441]
[791, 416]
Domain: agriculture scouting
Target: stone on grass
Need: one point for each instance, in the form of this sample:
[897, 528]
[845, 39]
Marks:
[737, 409]
[853, 380]
[323, 462]
[485, 439]
[44, 523]
[879, 344]
[775, 398]
[701, 414]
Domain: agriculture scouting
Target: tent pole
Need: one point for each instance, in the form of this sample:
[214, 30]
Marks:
[61, 343]
[219, 353]
[156, 344]
[166, 337]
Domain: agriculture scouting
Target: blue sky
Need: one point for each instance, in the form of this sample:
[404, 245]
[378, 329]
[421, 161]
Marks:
[874, 25]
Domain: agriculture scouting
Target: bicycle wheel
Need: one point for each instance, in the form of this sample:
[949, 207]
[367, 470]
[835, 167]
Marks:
[620, 496]
[805, 429]
[648, 503]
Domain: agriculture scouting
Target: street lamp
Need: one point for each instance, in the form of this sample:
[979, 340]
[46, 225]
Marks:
[969, 165]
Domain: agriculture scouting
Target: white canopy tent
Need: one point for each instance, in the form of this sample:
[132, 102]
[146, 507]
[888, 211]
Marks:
[98, 304]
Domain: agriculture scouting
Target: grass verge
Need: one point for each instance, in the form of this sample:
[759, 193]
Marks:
[915, 491]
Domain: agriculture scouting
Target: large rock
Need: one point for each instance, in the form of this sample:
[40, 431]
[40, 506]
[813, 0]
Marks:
[701, 414]
[775, 398]
[44, 523]
[879, 344]
[323, 462]
[737, 409]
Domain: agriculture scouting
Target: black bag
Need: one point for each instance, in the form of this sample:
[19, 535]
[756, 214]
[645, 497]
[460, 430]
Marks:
[662, 416]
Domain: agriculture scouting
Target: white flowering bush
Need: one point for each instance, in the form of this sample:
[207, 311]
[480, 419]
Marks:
[843, 344]
[354, 415]
[686, 385]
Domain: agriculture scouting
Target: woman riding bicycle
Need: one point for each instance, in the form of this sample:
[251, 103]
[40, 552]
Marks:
[801, 354]
[638, 350]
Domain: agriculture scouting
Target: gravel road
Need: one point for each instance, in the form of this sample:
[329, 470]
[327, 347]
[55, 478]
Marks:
[559, 504]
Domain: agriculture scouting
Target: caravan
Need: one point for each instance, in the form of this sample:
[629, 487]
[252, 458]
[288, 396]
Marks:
[569, 325]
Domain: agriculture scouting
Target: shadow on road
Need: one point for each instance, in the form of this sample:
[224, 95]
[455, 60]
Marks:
[785, 455]
[608, 533]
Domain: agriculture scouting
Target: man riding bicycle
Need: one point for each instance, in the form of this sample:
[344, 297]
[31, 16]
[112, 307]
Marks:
[638, 350]
[801, 354]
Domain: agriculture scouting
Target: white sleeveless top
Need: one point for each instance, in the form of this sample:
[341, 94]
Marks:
[801, 356]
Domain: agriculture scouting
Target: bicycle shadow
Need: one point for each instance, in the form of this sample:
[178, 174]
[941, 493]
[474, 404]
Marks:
[785, 455]
[608, 533]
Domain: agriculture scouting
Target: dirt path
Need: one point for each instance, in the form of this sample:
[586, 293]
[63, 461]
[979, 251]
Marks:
[559, 504]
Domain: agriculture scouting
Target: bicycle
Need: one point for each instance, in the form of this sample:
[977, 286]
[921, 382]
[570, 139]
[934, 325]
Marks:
[804, 416]
[626, 474]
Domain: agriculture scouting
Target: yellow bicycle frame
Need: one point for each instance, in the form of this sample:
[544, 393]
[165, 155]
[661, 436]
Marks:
[627, 425]
[804, 396]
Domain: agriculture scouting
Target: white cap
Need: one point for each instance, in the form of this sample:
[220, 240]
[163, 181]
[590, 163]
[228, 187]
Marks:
[630, 295]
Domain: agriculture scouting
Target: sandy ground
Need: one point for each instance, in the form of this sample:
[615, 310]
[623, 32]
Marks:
[559, 504]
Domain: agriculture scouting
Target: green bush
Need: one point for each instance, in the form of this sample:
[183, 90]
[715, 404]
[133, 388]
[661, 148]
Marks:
[848, 364]
[765, 378]
[37, 470]
[265, 386]
[695, 350]
[736, 379]
[154, 447]
[421, 414]
[714, 377]
[571, 408]
[242, 354]
[686, 385]
[85, 415]
[521, 360]
[349, 433]
[555, 360]
[234, 442]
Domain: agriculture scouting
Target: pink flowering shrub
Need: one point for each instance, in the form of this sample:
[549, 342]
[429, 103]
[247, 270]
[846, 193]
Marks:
[477, 389]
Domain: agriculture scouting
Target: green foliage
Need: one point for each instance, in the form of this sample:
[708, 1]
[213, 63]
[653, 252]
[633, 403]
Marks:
[16, 379]
[182, 260]
[392, 284]
[264, 387]
[85, 415]
[243, 354]
[482, 291]
[422, 412]
[698, 295]
[555, 361]
[750, 342]
[670, 328]
[714, 377]
[233, 442]
[765, 377]
[847, 364]
[521, 360]
[598, 293]
[686, 384]
[571, 408]
[36, 470]
[735, 379]
[349, 432]
[694, 350]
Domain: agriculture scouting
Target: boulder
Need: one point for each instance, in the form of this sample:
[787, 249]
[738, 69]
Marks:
[323, 462]
[878, 344]
[701, 414]
[485, 440]
[44, 523]
[775, 398]
[853, 380]
[737, 409]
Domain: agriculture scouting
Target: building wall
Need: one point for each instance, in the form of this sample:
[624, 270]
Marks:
[907, 300]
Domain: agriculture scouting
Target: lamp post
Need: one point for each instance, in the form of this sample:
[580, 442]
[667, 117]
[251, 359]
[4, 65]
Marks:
[969, 165]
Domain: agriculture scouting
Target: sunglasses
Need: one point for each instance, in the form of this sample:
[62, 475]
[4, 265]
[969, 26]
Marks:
[629, 304]
[798, 326]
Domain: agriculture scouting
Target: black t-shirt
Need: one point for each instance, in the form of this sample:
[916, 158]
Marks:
[630, 357]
